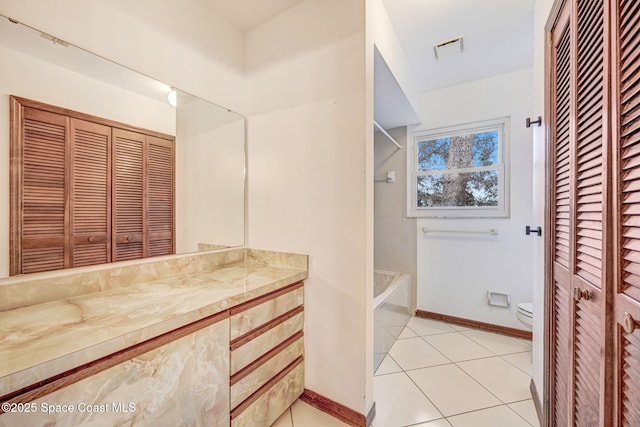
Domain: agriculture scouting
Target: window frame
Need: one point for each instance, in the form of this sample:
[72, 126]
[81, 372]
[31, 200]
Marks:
[502, 125]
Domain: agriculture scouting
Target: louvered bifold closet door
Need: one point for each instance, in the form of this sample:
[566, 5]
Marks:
[129, 202]
[626, 44]
[589, 276]
[160, 186]
[39, 213]
[90, 193]
[561, 154]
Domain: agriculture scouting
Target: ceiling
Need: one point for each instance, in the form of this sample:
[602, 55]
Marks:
[246, 15]
[498, 37]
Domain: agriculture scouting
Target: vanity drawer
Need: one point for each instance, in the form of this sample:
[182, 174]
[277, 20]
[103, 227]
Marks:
[266, 406]
[251, 315]
[266, 356]
[251, 346]
[249, 380]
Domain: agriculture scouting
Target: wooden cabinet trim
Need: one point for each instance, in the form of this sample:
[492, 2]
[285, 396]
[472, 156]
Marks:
[87, 117]
[264, 298]
[265, 388]
[256, 332]
[265, 358]
[42, 388]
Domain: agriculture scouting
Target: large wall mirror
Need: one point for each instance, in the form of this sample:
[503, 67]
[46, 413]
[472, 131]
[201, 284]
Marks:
[210, 159]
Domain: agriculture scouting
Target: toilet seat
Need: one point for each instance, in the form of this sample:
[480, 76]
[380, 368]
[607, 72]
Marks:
[526, 309]
[525, 314]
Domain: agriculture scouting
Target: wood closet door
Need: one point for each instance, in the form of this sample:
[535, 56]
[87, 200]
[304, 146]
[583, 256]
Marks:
[90, 194]
[160, 185]
[129, 191]
[39, 174]
[580, 144]
[561, 182]
[626, 44]
[143, 182]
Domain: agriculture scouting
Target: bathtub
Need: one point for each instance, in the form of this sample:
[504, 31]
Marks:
[391, 310]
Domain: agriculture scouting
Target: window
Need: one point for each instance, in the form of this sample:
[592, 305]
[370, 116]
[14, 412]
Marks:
[459, 171]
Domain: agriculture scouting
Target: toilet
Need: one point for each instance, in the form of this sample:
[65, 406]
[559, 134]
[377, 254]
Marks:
[525, 314]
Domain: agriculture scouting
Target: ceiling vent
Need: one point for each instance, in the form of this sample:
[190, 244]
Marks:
[448, 48]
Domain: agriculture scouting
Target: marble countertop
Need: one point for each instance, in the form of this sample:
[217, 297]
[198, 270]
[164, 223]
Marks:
[43, 340]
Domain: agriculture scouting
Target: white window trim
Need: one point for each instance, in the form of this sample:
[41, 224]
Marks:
[501, 124]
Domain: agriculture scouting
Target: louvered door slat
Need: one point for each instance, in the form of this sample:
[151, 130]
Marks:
[128, 194]
[561, 353]
[627, 302]
[588, 341]
[90, 193]
[562, 220]
[160, 193]
[562, 192]
[630, 141]
[590, 75]
[590, 205]
[42, 205]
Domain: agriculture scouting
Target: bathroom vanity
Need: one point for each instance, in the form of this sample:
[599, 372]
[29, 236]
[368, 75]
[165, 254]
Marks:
[211, 339]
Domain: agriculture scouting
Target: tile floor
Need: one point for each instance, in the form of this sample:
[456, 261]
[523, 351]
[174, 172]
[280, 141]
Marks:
[302, 415]
[444, 375]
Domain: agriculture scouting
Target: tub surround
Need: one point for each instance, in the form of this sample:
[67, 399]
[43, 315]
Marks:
[391, 310]
[244, 289]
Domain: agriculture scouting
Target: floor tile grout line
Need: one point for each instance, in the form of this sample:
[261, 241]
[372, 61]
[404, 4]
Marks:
[517, 413]
[422, 422]
[478, 410]
[480, 344]
[495, 355]
[490, 351]
[481, 385]
[465, 372]
[433, 347]
[291, 416]
[513, 364]
[426, 397]
[496, 334]
[388, 373]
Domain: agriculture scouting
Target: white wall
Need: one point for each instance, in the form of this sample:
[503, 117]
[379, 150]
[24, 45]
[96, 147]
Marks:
[395, 234]
[179, 43]
[27, 77]
[307, 180]
[386, 41]
[210, 178]
[541, 13]
[455, 272]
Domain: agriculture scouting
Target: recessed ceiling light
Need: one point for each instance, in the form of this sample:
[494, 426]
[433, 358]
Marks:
[172, 97]
[448, 48]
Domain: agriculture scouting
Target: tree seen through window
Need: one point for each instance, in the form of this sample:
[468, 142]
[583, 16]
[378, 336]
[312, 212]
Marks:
[453, 171]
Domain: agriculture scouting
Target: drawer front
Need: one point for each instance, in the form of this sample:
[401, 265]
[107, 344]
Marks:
[253, 317]
[267, 406]
[249, 347]
[256, 375]
[184, 382]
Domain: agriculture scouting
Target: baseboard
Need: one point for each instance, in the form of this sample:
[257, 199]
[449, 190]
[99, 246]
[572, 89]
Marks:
[504, 330]
[335, 409]
[536, 401]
